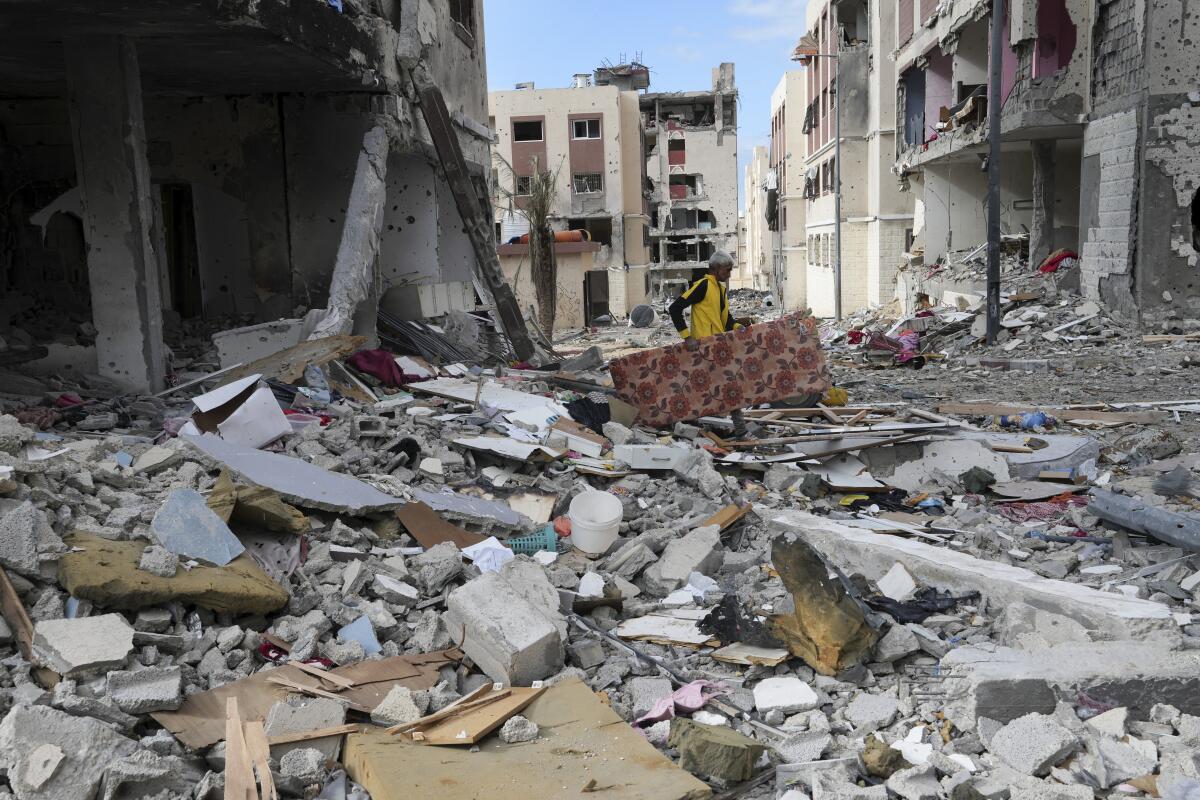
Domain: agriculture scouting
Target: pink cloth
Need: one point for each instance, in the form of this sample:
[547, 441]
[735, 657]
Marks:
[686, 699]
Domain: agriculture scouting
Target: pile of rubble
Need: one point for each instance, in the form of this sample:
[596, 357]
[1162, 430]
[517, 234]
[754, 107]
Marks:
[451, 581]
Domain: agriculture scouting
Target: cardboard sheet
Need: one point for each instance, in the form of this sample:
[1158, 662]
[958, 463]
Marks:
[677, 627]
[429, 529]
[241, 412]
[583, 747]
[845, 473]
[509, 448]
[200, 721]
[468, 506]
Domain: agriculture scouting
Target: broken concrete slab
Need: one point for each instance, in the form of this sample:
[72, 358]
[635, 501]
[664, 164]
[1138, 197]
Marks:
[186, 526]
[784, 694]
[698, 551]
[872, 554]
[716, 752]
[1181, 530]
[1003, 684]
[897, 583]
[401, 705]
[300, 714]
[508, 637]
[296, 481]
[872, 711]
[24, 536]
[915, 783]
[106, 572]
[941, 463]
[1032, 744]
[83, 646]
[827, 626]
[88, 746]
[145, 690]
[899, 642]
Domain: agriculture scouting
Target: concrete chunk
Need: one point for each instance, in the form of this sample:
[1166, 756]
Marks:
[146, 690]
[714, 751]
[897, 583]
[300, 714]
[787, 695]
[872, 710]
[504, 634]
[873, 554]
[1032, 744]
[24, 532]
[186, 526]
[83, 646]
[899, 642]
[698, 551]
[88, 745]
[915, 783]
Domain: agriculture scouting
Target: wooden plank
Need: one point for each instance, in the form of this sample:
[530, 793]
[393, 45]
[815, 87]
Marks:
[14, 613]
[239, 771]
[999, 447]
[255, 736]
[305, 688]
[445, 712]
[830, 415]
[308, 736]
[857, 418]
[491, 695]
[323, 674]
[1065, 414]
[727, 515]
[288, 365]
[474, 724]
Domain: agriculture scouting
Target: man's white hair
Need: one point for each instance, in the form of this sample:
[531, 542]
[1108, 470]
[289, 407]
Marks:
[720, 259]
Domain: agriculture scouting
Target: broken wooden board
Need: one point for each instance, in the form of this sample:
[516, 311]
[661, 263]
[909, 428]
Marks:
[200, 721]
[430, 529]
[1065, 414]
[475, 722]
[676, 627]
[749, 655]
[287, 366]
[728, 515]
[582, 742]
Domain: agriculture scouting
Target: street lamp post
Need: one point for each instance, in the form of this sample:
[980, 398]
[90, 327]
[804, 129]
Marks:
[807, 49]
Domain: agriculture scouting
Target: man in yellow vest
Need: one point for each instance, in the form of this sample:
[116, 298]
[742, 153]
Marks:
[709, 302]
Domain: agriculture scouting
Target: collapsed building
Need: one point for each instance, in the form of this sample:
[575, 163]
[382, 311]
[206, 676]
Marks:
[691, 162]
[1098, 128]
[195, 161]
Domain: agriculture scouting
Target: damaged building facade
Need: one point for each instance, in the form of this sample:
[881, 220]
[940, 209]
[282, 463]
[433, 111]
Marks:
[691, 163]
[195, 161]
[589, 136]
[783, 189]
[875, 217]
[1098, 124]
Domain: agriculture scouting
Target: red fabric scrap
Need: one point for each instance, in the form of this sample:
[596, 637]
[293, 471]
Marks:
[382, 365]
[1055, 260]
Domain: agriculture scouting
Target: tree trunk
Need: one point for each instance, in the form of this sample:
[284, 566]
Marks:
[545, 275]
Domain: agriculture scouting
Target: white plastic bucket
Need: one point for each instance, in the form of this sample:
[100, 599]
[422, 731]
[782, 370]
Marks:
[595, 521]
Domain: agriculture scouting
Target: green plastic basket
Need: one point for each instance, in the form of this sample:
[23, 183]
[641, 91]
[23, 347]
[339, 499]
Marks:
[546, 539]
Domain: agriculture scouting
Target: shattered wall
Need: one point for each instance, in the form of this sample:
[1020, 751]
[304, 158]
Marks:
[1108, 210]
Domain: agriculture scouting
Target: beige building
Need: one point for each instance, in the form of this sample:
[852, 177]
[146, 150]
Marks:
[755, 238]
[876, 217]
[691, 162]
[590, 135]
[785, 211]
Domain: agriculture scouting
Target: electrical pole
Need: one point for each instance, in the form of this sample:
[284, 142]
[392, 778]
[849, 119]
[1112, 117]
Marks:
[993, 195]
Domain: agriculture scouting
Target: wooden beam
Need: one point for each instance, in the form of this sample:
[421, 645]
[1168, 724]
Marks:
[1065, 414]
[308, 736]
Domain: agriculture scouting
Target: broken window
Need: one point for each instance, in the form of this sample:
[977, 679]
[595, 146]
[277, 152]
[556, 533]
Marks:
[527, 131]
[676, 152]
[588, 183]
[463, 12]
[586, 129]
[524, 184]
[599, 228]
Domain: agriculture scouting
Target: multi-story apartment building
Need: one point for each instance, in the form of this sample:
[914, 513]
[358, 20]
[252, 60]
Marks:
[589, 135]
[755, 239]
[784, 190]
[691, 161]
[875, 216]
[1100, 137]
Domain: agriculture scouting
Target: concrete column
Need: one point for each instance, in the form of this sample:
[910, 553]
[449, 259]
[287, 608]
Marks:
[353, 290]
[1041, 232]
[104, 95]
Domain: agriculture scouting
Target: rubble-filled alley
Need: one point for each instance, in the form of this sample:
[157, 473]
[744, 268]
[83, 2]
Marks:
[352, 572]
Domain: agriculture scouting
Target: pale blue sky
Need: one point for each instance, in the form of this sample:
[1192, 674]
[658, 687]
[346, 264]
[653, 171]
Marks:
[547, 41]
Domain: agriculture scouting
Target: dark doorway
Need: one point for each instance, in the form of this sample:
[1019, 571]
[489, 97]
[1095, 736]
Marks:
[183, 263]
[595, 295]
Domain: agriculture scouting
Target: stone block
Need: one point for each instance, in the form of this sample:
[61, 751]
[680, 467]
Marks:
[83, 646]
[24, 535]
[698, 551]
[508, 637]
[88, 747]
[395, 591]
[716, 752]
[915, 783]
[872, 711]
[401, 705]
[899, 642]
[146, 690]
[1032, 744]
[785, 694]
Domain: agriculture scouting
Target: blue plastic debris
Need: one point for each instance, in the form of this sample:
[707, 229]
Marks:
[187, 527]
[363, 632]
[1027, 421]
[337, 4]
[123, 458]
